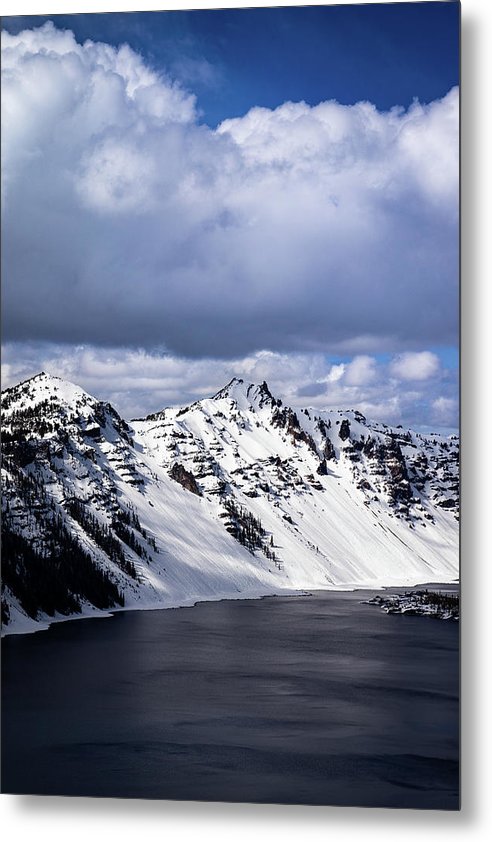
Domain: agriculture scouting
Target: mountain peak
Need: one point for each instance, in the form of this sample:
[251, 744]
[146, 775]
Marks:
[238, 385]
[228, 390]
[44, 387]
[247, 395]
[40, 377]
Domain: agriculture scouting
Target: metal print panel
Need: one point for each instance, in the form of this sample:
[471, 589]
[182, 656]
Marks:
[230, 323]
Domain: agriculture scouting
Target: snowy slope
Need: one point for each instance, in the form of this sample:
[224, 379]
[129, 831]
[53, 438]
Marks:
[347, 502]
[236, 495]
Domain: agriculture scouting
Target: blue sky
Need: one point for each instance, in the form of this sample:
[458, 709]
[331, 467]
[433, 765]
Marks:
[267, 193]
[235, 59]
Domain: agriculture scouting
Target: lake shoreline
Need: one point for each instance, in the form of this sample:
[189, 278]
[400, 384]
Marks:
[35, 626]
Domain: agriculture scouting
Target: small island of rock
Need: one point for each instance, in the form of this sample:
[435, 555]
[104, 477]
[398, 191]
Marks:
[443, 606]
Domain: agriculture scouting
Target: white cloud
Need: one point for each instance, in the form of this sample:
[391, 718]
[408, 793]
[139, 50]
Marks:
[59, 96]
[415, 366]
[307, 229]
[435, 129]
[361, 371]
[335, 373]
[445, 410]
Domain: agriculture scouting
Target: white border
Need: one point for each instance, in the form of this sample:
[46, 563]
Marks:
[75, 819]
[52, 7]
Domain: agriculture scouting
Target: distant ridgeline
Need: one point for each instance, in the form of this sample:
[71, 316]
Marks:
[234, 495]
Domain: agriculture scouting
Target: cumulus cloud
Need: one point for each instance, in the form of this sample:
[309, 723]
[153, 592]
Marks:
[445, 410]
[361, 371]
[415, 366]
[298, 229]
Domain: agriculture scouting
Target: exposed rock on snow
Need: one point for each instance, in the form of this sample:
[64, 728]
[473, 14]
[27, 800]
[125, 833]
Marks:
[424, 603]
[185, 478]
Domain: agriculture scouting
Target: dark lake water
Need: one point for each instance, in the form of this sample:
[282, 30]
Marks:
[311, 700]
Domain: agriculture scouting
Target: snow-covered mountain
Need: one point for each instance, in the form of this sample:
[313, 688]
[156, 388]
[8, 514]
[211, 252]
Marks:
[235, 495]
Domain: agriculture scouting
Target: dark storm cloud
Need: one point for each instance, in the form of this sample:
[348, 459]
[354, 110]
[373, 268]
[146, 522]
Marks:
[298, 229]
